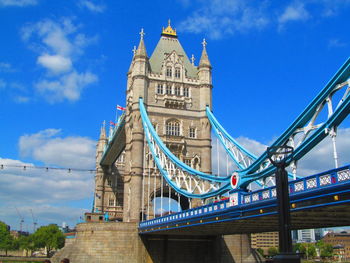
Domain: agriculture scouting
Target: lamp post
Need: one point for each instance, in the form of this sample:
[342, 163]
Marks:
[277, 156]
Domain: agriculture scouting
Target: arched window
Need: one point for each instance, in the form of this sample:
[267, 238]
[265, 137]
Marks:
[177, 73]
[196, 162]
[168, 89]
[111, 201]
[177, 90]
[173, 128]
[168, 71]
[192, 132]
[155, 126]
[160, 89]
[186, 92]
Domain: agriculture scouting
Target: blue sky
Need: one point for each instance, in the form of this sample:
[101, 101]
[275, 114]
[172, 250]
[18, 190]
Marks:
[63, 70]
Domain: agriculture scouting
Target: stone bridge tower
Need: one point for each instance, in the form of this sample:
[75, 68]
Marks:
[176, 93]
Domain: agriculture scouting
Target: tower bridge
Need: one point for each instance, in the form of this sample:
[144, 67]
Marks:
[161, 147]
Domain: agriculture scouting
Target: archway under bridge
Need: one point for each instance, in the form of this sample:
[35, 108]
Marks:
[163, 201]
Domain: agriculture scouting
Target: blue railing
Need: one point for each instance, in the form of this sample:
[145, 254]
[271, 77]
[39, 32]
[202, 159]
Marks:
[244, 201]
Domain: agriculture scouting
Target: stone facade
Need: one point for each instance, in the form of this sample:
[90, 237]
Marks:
[112, 242]
[175, 93]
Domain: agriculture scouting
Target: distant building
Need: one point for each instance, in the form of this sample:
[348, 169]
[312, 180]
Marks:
[264, 240]
[307, 235]
[17, 234]
[339, 241]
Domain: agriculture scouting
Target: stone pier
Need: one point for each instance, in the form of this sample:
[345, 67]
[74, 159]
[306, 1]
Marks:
[119, 242]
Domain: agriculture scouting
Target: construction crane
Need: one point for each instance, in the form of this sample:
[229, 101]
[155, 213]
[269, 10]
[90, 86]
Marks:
[21, 220]
[34, 221]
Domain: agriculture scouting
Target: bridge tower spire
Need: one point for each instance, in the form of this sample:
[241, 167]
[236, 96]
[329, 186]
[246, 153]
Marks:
[137, 87]
[100, 175]
[205, 99]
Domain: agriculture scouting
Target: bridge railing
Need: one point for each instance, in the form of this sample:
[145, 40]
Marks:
[243, 200]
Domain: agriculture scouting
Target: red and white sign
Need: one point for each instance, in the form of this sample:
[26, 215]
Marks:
[234, 180]
[233, 199]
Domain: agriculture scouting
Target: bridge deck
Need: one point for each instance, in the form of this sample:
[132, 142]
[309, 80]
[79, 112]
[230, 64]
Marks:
[116, 145]
[326, 204]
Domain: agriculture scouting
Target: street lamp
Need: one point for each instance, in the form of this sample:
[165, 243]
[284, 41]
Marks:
[277, 156]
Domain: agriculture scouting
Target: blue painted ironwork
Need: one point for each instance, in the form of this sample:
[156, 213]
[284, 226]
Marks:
[332, 182]
[250, 169]
[177, 174]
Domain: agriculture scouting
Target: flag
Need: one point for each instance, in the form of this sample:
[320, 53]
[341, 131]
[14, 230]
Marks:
[112, 123]
[120, 108]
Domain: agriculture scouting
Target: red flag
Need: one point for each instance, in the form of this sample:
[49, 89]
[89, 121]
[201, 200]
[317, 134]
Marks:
[112, 123]
[120, 108]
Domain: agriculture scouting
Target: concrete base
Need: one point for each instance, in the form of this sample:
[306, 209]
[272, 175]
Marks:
[287, 258]
[119, 242]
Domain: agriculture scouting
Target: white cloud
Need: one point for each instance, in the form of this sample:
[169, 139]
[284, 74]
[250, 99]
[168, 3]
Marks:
[321, 157]
[67, 87]
[19, 3]
[58, 37]
[45, 192]
[55, 63]
[90, 5]
[46, 146]
[294, 12]
[51, 193]
[220, 18]
[225, 17]
[318, 160]
[59, 45]
[254, 147]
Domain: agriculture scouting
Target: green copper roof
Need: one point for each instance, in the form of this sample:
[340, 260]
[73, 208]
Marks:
[166, 45]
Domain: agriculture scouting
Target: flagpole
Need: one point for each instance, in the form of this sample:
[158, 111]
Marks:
[116, 115]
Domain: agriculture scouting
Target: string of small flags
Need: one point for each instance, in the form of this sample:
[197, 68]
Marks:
[46, 168]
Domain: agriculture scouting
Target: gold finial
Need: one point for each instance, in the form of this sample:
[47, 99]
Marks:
[169, 31]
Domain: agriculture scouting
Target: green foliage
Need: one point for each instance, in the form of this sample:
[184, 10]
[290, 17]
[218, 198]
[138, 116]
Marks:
[272, 251]
[307, 249]
[27, 243]
[50, 237]
[6, 240]
[299, 248]
[326, 250]
[261, 251]
[311, 250]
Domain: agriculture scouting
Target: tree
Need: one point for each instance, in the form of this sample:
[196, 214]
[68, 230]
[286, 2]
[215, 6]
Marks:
[26, 243]
[49, 237]
[326, 250]
[6, 240]
[260, 250]
[272, 251]
[310, 250]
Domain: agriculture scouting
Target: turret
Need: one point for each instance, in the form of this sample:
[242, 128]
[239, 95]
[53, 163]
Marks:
[139, 71]
[204, 75]
[102, 141]
[204, 67]
[99, 177]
